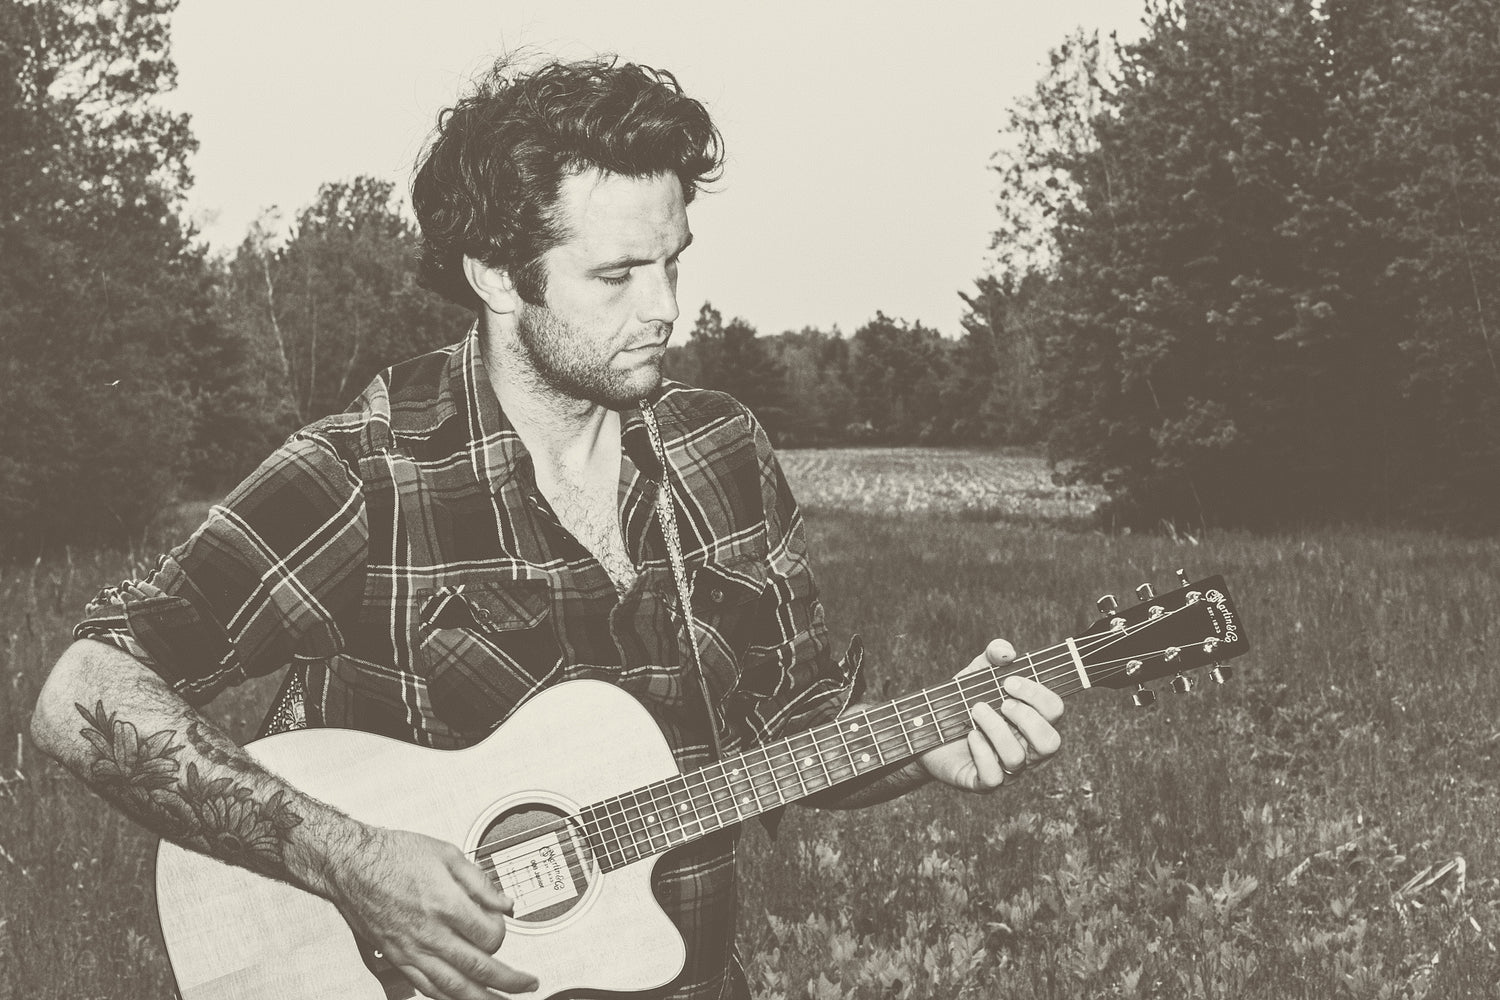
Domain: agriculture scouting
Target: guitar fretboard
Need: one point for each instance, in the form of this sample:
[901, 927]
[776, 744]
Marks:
[657, 817]
[1185, 628]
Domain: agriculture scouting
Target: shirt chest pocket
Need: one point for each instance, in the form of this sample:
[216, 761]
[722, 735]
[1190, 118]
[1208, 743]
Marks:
[484, 648]
[726, 599]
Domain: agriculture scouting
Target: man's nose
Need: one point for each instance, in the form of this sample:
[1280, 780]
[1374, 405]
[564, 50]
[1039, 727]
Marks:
[658, 303]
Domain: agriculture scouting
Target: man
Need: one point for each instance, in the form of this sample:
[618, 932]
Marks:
[482, 523]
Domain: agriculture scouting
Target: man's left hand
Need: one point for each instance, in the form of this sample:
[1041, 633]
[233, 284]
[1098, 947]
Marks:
[1003, 742]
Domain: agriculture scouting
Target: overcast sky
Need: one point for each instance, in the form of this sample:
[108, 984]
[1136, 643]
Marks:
[858, 133]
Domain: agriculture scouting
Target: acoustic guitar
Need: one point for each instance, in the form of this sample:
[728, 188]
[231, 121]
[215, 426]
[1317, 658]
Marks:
[571, 830]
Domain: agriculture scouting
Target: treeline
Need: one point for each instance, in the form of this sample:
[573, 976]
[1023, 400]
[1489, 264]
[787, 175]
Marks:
[1247, 272]
[139, 366]
[1259, 254]
[892, 382]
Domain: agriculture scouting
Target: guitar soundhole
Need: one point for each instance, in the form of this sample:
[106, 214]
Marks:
[540, 859]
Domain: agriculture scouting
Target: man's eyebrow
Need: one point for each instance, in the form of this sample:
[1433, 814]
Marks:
[614, 265]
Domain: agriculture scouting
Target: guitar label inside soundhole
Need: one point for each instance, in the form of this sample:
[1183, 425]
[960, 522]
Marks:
[539, 858]
[536, 875]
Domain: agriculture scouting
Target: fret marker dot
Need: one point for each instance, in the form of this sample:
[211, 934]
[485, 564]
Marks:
[853, 727]
[682, 808]
[917, 721]
[735, 773]
[807, 762]
[864, 758]
[746, 800]
[651, 818]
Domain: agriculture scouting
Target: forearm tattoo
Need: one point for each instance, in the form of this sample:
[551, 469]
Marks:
[217, 816]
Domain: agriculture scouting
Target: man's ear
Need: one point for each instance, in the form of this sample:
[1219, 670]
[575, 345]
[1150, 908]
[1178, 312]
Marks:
[493, 285]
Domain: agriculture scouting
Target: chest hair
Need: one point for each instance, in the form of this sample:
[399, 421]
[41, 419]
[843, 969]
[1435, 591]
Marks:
[590, 511]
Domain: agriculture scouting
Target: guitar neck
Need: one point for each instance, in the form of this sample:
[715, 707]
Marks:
[683, 808]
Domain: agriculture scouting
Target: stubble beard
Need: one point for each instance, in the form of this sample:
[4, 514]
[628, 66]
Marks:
[560, 362]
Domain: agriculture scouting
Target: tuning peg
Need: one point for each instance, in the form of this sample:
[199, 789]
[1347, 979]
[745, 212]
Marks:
[1181, 684]
[1107, 605]
[1182, 577]
[1145, 592]
[1142, 696]
[1221, 673]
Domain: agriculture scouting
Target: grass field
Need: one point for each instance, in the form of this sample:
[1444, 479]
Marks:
[1323, 826]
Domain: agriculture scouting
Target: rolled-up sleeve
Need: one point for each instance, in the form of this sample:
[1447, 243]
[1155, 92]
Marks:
[273, 574]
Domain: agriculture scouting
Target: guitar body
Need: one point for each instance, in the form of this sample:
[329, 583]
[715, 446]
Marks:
[234, 935]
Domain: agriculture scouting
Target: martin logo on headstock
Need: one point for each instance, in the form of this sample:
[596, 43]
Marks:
[1195, 625]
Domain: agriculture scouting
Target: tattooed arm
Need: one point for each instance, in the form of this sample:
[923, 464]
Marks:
[118, 726]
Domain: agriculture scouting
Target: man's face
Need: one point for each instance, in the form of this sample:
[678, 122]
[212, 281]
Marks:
[611, 288]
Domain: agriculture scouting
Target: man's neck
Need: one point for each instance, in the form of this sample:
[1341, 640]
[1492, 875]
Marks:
[562, 433]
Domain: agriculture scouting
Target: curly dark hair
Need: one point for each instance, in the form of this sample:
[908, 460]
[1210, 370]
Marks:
[487, 184]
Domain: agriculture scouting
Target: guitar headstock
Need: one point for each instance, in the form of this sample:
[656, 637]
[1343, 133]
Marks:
[1163, 635]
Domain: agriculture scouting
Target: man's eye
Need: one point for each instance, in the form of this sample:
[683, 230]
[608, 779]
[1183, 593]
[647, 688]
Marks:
[615, 279]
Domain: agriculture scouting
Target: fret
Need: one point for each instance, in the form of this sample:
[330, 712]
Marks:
[932, 723]
[725, 799]
[605, 839]
[888, 732]
[859, 744]
[651, 822]
[637, 843]
[774, 767]
[803, 750]
[746, 801]
[951, 712]
[679, 801]
[760, 775]
[715, 797]
[911, 718]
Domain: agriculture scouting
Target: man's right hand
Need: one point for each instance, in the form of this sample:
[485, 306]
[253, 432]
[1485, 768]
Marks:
[429, 909]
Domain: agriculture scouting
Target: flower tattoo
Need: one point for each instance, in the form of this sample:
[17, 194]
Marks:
[216, 816]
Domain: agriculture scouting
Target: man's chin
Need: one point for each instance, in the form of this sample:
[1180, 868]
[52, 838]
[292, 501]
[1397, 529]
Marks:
[625, 392]
[642, 380]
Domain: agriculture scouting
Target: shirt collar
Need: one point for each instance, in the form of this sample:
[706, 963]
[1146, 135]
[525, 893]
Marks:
[495, 449]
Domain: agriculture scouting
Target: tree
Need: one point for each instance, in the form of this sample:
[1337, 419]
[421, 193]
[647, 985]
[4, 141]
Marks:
[1438, 97]
[337, 301]
[731, 358]
[1270, 284]
[819, 405]
[896, 374]
[103, 295]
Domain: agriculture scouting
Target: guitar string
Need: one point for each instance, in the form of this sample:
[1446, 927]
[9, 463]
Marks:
[635, 831]
[619, 834]
[630, 832]
[633, 838]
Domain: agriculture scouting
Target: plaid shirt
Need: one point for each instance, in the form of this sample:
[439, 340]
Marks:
[401, 558]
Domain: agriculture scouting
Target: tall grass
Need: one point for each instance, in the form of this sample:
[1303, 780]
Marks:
[1246, 841]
